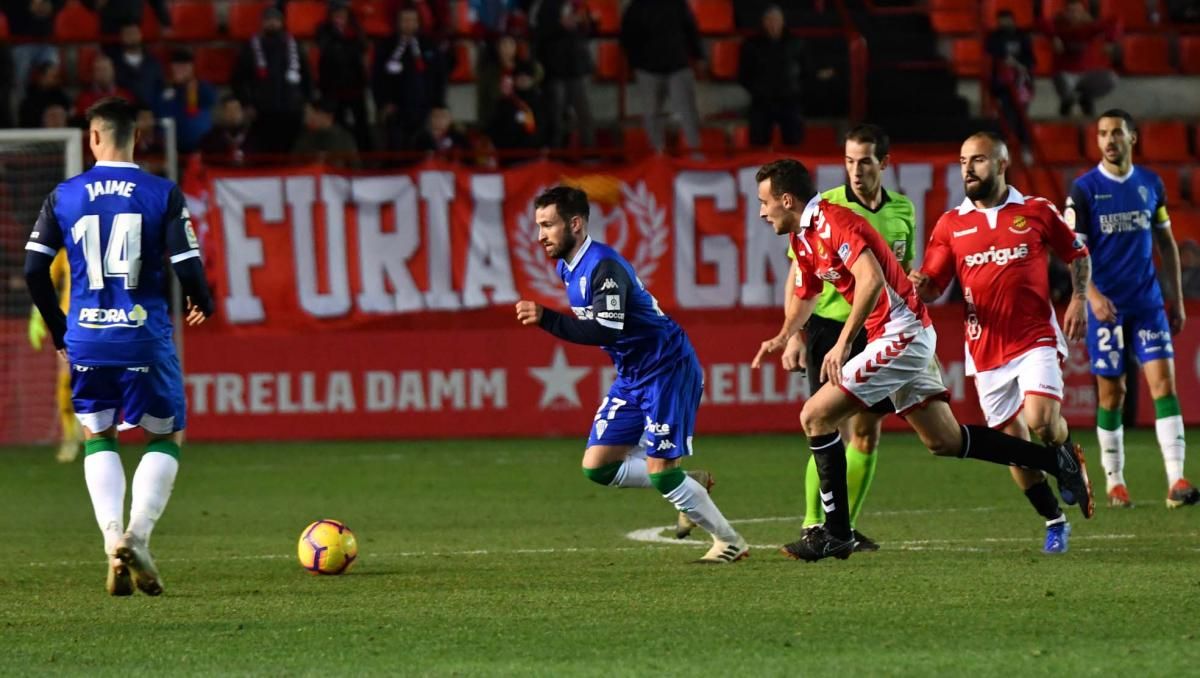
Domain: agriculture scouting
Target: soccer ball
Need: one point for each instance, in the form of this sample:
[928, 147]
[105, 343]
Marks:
[327, 547]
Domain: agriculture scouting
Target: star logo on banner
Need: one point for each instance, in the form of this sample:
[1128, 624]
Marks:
[559, 380]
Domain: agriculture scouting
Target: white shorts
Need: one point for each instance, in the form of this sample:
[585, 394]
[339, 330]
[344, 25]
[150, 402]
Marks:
[1002, 390]
[901, 366]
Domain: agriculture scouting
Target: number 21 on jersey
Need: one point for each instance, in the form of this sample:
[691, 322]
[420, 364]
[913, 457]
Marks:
[122, 257]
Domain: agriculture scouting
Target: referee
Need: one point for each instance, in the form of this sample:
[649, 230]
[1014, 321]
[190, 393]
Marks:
[891, 214]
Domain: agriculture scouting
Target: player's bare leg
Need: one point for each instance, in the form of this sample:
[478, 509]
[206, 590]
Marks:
[1110, 397]
[1168, 428]
[863, 432]
[618, 466]
[1043, 416]
[105, 477]
[822, 416]
[152, 485]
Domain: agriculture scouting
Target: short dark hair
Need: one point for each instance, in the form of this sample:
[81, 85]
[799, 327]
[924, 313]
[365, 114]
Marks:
[118, 114]
[1005, 14]
[228, 98]
[787, 176]
[1122, 114]
[568, 200]
[867, 133]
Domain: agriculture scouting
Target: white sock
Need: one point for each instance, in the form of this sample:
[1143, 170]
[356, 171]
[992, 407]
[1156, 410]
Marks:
[1112, 455]
[691, 498]
[106, 485]
[1169, 431]
[632, 473]
[152, 483]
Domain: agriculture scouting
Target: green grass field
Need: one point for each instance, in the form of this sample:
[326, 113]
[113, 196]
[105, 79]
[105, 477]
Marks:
[497, 557]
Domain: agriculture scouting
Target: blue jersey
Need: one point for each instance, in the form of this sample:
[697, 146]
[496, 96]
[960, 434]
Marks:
[1115, 215]
[120, 226]
[603, 287]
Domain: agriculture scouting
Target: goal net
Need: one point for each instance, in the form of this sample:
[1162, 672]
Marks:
[32, 162]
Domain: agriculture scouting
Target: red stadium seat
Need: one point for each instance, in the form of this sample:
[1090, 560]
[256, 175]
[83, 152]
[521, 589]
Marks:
[822, 139]
[967, 55]
[723, 58]
[1193, 189]
[85, 58]
[1051, 8]
[1058, 141]
[151, 29]
[193, 20]
[3, 27]
[955, 21]
[610, 60]
[606, 14]
[462, 19]
[1045, 183]
[1163, 141]
[1043, 56]
[1146, 54]
[76, 23]
[1091, 147]
[374, 19]
[245, 17]
[303, 17]
[1022, 11]
[713, 17]
[314, 62]
[714, 140]
[1172, 178]
[636, 142]
[215, 64]
[1189, 54]
[1131, 13]
[1185, 224]
[464, 67]
[739, 137]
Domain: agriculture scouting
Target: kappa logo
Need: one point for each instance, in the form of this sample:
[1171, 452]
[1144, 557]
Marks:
[1100, 364]
[665, 445]
[608, 284]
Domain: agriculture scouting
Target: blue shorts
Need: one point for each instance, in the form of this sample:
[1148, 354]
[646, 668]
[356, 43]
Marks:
[1146, 331]
[150, 397]
[663, 411]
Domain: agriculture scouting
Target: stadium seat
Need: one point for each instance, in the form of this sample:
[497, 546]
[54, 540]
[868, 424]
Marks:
[636, 142]
[462, 19]
[955, 21]
[967, 55]
[1185, 224]
[464, 67]
[3, 27]
[374, 19]
[1172, 178]
[1146, 54]
[606, 14]
[85, 57]
[193, 20]
[739, 137]
[245, 17]
[1050, 8]
[1131, 13]
[1163, 141]
[714, 140]
[822, 139]
[303, 17]
[1022, 11]
[713, 17]
[215, 64]
[1091, 148]
[723, 58]
[1058, 141]
[76, 23]
[314, 62]
[1189, 54]
[1043, 57]
[1045, 183]
[1193, 188]
[151, 29]
[610, 60]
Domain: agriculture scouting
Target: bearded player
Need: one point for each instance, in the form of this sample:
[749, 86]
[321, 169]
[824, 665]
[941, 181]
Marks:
[997, 242]
[659, 381]
[1121, 211]
[836, 245]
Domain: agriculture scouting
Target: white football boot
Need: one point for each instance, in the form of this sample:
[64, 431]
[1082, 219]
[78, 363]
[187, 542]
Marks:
[725, 553]
[135, 554]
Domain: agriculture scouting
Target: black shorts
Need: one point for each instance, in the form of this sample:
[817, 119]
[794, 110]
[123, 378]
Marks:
[822, 334]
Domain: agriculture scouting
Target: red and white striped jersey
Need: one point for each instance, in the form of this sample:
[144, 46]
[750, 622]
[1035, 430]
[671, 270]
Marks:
[1000, 257]
[830, 240]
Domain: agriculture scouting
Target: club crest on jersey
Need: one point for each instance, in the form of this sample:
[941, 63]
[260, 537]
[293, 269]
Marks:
[1019, 224]
[821, 252]
[601, 427]
[104, 318]
[583, 287]
[1145, 193]
[844, 250]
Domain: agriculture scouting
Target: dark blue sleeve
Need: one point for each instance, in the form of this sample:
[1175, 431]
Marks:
[44, 243]
[611, 287]
[47, 235]
[184, 250]
[1079, 213]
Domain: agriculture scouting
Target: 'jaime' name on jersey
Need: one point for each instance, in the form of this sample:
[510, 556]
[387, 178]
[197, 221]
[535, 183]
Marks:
[110, 187]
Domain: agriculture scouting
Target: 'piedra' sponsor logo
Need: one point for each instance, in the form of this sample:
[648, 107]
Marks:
[104, 318]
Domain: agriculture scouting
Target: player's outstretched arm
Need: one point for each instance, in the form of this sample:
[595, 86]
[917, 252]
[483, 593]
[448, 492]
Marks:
[1075, 325]
[609, 290]
[1168, 251]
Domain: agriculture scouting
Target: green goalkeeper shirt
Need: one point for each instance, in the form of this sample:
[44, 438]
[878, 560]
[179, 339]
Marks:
[893, 220]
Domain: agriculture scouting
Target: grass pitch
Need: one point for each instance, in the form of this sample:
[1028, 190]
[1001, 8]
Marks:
[497, 557]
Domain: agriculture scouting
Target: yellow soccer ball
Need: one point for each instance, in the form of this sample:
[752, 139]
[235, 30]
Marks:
[327, 547]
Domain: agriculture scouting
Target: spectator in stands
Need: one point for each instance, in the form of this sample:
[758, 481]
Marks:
[662, 45]
[104, 85]
[323, 140]
[1184, 11]
[434, 15]
[501, 65]
[225, 143]
[1011, 52]
[114, 14]
[409, 79]
[45, 90]
[440, 134]
[1082, 66]
[773, 67]
[272, 80]
[31, 26]
[187, 101]
[342, 70]
[6, 86]
[138, 71]
[513, 121]
[563, 38]
[55, 117]
[498, 17]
